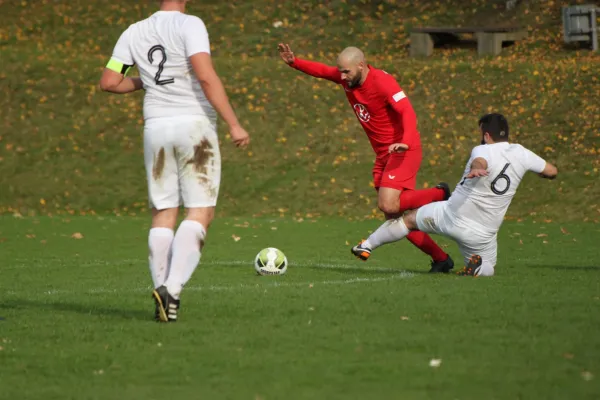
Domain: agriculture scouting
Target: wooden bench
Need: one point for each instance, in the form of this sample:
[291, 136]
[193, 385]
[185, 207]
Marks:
[489, 39]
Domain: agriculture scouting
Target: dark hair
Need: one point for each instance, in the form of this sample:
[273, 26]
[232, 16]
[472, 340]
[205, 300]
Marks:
[496, 125]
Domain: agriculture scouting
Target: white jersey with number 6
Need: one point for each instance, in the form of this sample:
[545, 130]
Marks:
[160, 46]
[483, 202]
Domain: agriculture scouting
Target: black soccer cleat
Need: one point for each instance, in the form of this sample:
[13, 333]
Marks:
[361, 252]
[473, 267]
[444, 186]
[166, 305]
[442, 266]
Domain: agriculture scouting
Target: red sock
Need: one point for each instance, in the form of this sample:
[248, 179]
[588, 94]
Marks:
[427, 245]
[411, 199]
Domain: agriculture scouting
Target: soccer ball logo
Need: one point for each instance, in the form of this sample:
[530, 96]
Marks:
[361, 112]
[270, 261]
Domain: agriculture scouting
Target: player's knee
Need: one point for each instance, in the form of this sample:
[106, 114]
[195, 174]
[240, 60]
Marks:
[410, 219]
[203, 215]
[389, 206]
[166, 218]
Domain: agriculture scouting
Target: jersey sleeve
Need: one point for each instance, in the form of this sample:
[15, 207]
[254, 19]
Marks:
[195, 37]
[317, 70]
[532, 161]
[480, 152]
[396, 98]
[122, 51]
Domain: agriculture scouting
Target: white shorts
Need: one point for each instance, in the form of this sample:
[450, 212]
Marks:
[183, 162]
[436, 218]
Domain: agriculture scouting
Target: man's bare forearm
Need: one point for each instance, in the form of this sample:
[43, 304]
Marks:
[215, 93]
[127, 85]
[478, 164]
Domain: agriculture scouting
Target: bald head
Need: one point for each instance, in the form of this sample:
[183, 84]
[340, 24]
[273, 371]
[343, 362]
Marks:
[351, 56]
[351, 63]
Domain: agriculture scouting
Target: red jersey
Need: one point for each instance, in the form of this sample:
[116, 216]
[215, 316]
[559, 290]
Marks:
[380, 105]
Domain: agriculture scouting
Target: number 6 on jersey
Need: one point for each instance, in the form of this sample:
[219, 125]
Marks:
[501, 176]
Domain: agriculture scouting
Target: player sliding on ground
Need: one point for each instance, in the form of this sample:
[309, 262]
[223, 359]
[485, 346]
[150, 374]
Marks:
[473, 214]
[387, 117]
[181, 148]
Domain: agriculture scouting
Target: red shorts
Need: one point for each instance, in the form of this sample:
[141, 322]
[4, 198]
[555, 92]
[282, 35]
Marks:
[399, 170]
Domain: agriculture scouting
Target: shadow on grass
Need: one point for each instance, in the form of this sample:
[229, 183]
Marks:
[567, 267]
[78, 308]
[366, 271]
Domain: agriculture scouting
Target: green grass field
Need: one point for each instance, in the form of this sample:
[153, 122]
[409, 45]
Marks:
[77, 316]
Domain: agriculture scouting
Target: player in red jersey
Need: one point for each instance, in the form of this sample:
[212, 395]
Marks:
[390, 123]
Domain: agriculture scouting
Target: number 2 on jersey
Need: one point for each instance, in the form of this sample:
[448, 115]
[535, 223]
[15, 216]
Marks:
[501, 176]
[161, 65]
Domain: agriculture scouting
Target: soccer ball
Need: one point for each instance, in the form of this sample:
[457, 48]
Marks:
[270, 261]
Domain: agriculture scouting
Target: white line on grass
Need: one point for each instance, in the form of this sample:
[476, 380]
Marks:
[242, 286]
[102, 263]
[245, 286]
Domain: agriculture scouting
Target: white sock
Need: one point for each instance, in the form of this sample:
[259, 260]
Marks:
[392, 230]
[159, 244]
[186, 255]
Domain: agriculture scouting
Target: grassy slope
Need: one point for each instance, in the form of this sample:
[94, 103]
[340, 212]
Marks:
[77, 317]
[65, 148]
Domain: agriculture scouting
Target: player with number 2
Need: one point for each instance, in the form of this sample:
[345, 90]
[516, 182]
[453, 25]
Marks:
[181, 149]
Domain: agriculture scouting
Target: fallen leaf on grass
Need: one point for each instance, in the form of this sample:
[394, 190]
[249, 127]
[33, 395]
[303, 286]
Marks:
[404, 318]
[235, 238]
[564, 231]
[434, 363]
[541, 235]
[587, 375]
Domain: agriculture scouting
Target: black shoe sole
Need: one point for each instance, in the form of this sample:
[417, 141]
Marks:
[162, 311]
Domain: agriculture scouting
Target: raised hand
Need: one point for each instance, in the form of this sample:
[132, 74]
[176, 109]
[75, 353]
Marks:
[286, 53]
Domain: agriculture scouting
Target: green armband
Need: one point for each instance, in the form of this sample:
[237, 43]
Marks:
[118, 66]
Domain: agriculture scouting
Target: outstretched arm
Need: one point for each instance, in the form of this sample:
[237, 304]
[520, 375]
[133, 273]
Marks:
[312, 68]
[537, 164]
[549, 172]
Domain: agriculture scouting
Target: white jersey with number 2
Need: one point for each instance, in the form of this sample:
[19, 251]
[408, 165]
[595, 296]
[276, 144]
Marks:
[161, 46]
[483, 202]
